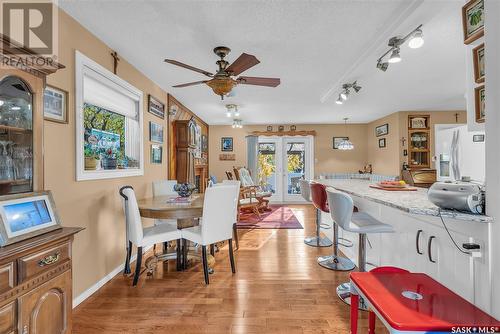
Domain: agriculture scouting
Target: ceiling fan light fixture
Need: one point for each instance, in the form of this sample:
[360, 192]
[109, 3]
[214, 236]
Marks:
[395, 56]
[221, 86]
[417, 40]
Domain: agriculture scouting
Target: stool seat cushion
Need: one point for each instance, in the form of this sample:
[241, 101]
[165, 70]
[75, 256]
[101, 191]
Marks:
[364, 223]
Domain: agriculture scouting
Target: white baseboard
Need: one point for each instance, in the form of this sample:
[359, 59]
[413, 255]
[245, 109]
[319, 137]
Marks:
[90, 291]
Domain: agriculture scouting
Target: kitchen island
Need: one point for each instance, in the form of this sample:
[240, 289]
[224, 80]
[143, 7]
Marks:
[420, 242]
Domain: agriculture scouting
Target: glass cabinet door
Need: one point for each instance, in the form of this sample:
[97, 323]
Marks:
[419, 140]
[16, 136]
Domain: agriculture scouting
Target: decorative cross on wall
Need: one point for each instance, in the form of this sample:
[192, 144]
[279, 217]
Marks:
[114, 54]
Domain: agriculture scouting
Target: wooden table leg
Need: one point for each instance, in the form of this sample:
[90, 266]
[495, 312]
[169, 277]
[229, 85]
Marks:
[354, 313]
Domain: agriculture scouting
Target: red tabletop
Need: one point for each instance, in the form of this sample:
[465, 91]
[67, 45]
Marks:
[440, 309]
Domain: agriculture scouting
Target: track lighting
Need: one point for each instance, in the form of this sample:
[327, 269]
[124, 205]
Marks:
[395, 56]
[415, 40]
[346, 90]
[232, 110]
[237, 124]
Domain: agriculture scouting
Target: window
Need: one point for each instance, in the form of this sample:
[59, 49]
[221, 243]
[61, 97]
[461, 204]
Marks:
[109, 126]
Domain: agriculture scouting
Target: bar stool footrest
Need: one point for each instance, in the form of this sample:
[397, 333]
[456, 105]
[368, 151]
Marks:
[336, 263]
[318, 241]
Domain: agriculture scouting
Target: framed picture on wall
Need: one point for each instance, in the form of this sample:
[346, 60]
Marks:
[55, 104]
[155, 107]
[478, 57]
[473, 20]
[204, 143]
[226, 144]
[155, 132]
[382, 130]
[480, 101]
[156, 154]
[337, 141]
[381, 143]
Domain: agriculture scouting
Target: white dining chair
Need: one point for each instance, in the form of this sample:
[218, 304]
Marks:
[237, 217]
[216, 224]
[165, 188]
[142, 236]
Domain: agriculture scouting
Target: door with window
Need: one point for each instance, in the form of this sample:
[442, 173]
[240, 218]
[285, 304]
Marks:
[282, 163]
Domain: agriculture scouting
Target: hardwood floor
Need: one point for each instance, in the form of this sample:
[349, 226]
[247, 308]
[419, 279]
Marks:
[278, 288]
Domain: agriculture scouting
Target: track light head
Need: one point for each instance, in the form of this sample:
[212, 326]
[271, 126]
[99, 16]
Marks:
[417, 40]
[382, 66]
[339, 100]
[344, 94]
[356, 87]
[395, 56]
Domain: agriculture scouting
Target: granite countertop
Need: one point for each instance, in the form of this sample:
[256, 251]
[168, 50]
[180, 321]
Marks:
[414, 202]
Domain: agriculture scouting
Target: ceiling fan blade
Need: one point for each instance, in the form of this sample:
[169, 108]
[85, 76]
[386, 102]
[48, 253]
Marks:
[243, 63]
[258, 81]
[189, 67]
[189, 84]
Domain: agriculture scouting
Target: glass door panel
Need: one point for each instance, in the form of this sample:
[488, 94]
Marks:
[269, 166]
[295, 169]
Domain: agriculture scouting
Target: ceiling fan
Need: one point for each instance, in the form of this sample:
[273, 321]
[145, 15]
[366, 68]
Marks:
[222, 82]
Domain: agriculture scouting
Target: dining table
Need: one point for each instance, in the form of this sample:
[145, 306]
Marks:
[186, 211]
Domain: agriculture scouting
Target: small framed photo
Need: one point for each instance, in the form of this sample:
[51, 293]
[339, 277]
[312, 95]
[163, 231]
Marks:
[204, 143]
[480, 101]
[281, 128]
[473, 20]
[478, 138]
[155, 107]
[293, 127]
[24, 216]
[156, 154]
[478, 57]
[337, 141]
[55, 105]
[405, 152]
[382, 130]
[226, 144]
[269, 128]
[155, 132]
[381, 143]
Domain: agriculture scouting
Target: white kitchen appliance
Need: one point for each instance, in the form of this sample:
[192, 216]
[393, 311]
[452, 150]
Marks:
[461, 196]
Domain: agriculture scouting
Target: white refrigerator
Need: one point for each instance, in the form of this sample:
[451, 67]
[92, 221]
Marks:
[459, 153]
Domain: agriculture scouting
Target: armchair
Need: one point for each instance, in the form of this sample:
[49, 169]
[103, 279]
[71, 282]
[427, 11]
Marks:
[251, 189]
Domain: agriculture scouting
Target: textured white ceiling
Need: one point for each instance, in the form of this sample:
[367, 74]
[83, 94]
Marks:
[311, 45]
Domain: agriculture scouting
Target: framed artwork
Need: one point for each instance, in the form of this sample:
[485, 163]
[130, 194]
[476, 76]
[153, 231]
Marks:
[55, 104]
[269, 128]
[155, 107]
[226, 144]
[473, 20]
[480, 99]
[156, 154]
[337, 141]
[405, 152]
[478, 57]
[382, 130]
[293, 127]
[478, 138]
[155, 132]
[281, 128]
[381, 143]
[24, 216]
[204, 143]
[418, 123]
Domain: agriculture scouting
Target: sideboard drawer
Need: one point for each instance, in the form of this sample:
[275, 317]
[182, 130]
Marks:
[7, 277]
[8, 318]
[45, 259]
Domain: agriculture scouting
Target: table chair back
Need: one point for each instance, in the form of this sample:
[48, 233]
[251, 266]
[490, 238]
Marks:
[164, 188]
[219, 212]
[305, 189]
[318, 196]
[341, 207]
[132, 215]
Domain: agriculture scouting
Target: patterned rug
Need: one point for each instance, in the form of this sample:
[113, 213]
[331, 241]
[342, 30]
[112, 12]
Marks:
[279, 217]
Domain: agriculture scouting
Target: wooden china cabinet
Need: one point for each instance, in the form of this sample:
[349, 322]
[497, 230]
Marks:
[35, 274]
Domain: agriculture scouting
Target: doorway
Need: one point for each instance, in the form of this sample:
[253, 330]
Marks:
[282, 163]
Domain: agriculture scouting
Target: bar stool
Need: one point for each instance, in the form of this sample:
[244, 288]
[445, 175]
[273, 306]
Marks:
[317, 240]
[334, 261]
[362, 223]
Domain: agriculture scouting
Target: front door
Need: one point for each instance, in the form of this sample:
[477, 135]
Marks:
[283, 162]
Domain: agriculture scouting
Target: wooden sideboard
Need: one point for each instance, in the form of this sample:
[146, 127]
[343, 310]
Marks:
[36, 284]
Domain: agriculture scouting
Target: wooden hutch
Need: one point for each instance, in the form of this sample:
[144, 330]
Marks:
[35, 274]
[419, 172]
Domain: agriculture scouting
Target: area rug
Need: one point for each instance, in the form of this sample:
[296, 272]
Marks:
[280, 217]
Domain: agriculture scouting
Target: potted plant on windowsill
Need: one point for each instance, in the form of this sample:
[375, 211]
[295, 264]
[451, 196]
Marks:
[109, 159]
[91, 158]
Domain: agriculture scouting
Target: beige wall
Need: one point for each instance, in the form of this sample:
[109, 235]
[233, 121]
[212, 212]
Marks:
[326, 158]
[94, 205]
[386, 161]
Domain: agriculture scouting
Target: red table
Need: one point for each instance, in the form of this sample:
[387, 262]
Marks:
[431, 307]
